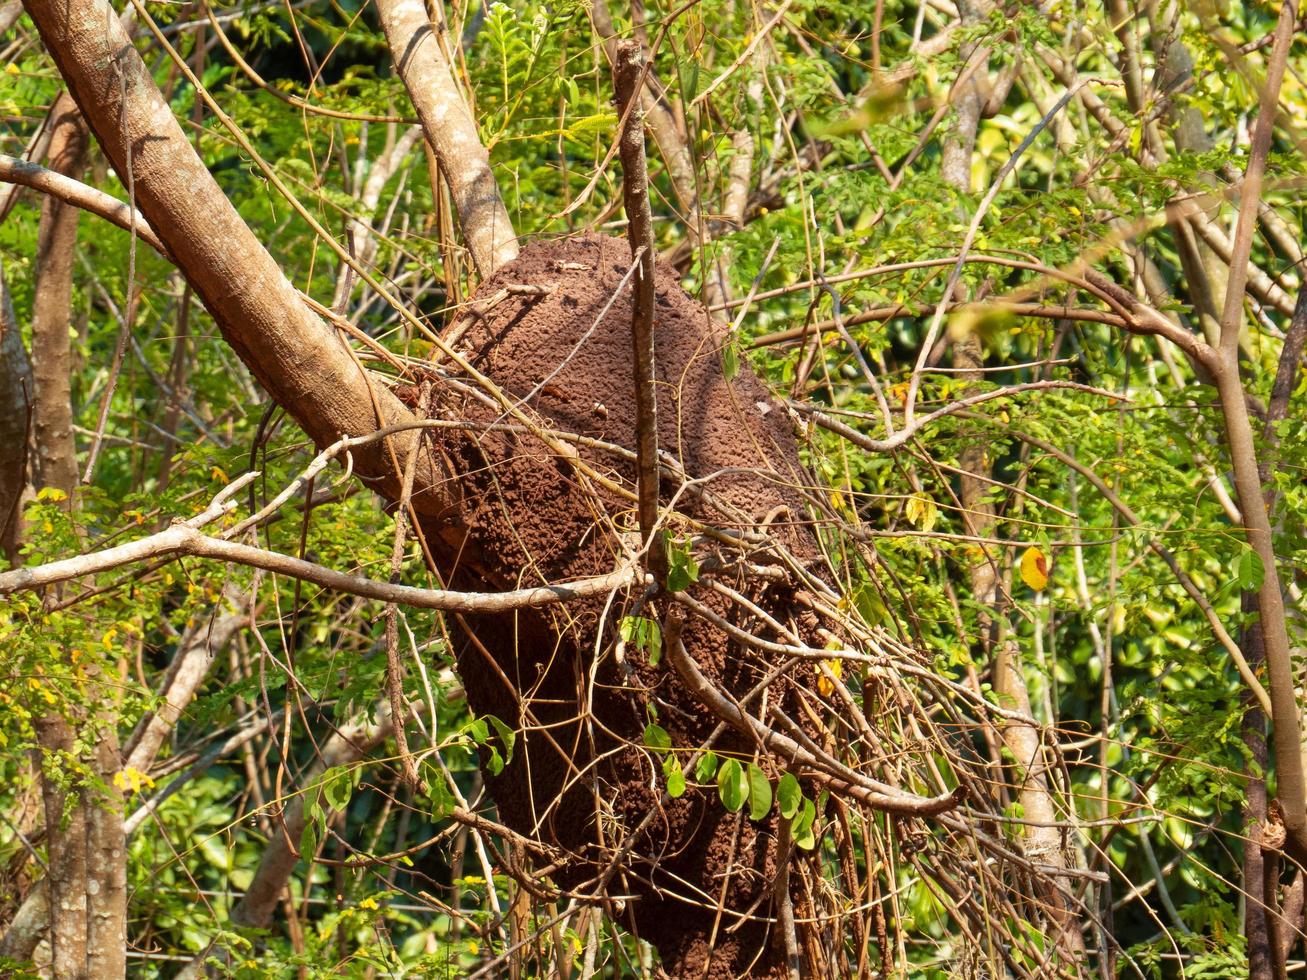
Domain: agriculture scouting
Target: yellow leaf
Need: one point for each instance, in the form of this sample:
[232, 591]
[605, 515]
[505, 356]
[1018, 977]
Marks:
[1034, 569]
[11, 69]
[824, 684]
[131, 780]
[218, 473]
[921, 511]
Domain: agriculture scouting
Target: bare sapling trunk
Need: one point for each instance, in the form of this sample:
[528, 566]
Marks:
[55, 458]
[1042, 837]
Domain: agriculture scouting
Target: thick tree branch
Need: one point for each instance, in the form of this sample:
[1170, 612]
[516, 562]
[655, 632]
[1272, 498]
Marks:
[15, 416]
[415, 45]
[297, 358]
[55, 462]
[79, 195]
[1286, 720]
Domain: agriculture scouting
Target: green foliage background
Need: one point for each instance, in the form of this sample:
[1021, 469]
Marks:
[1155, 733]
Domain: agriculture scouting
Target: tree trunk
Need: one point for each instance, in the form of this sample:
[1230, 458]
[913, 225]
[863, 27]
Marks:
[297, 358]
[55, 462]
[15, 417]
[65, 832]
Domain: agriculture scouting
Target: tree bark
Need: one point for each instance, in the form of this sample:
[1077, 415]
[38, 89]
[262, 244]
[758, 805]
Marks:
[106, 853]
[415, 44]
[15, 415]
[55, 462]
[65, 834]
[1286, 720]
[297, 358]
[68, 819]
[628, 69]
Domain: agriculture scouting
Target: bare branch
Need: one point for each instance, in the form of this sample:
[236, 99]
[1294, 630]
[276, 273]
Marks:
[628, 68]
[744, 55]
[74, 192]
[829, 771]
[184, 538]
[415, 45]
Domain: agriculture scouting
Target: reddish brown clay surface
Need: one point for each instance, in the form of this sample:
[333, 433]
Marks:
[579, 778]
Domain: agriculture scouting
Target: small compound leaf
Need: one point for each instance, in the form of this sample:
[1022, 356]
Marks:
[656, 737]
[732, 786]
[506, 735]
[443, 802]
[789, 797]
[921, 511]
[1248, 570]
[759, 793]
[675, 777]
[338, 786]
[826, 686]
[731, 357]
[707, 767]
[308, 840]
[682, 569]
[643, 634]
[801, 828]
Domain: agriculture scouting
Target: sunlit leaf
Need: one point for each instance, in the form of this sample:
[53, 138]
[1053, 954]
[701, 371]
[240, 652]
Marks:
[1034, 569]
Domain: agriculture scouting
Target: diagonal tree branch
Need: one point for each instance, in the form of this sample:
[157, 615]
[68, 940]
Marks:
[74, 192]
[185, 539]
[293, 353]
[415, 45]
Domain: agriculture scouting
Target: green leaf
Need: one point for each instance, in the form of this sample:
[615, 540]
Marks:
[732, 786]
[338, 786]
[506, 735]
[801, 828]
[1248, 570]
[759, 793]
[478, 731]
[682, 569]
[789, 796]
[443, 801]
[308, 840]
[643, 634]
[675, 777]
[656, 737]
[707, 767]
[731, 358]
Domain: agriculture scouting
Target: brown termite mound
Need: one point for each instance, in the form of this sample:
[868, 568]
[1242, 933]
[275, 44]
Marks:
[532, 510]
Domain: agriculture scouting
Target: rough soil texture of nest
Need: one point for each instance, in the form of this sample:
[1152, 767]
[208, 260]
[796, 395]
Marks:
[580, 779]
